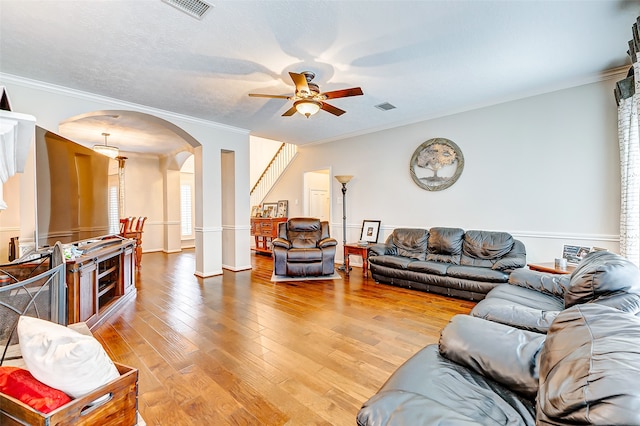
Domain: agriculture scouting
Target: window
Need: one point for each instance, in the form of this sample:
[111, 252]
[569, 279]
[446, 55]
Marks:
[114, 217]
[186, 225]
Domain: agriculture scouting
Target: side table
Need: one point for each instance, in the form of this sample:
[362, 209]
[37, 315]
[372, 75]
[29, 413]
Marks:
[550, 267]
[358, 250]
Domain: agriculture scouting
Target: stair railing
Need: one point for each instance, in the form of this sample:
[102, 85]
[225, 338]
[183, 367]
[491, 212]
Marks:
[272, 172]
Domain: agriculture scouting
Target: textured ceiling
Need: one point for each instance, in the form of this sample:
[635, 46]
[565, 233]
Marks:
[428, 58]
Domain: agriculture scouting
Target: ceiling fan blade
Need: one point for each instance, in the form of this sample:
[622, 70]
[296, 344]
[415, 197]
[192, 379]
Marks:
[259, 95]
[333, 110]
[290, 112]
[354, 91]
[301, 83]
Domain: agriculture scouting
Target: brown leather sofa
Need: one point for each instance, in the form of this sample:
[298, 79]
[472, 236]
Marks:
[584, 370]
[449, 261]
[303, 248]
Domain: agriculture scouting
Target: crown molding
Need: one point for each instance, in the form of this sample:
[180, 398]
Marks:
[116, 103]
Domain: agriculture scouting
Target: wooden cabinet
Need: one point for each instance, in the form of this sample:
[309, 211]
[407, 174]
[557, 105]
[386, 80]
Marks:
[100, 280]
[86, 299]
[264, 230]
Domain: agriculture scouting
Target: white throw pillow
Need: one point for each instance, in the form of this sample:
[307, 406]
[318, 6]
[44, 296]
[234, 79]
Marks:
[63, 358]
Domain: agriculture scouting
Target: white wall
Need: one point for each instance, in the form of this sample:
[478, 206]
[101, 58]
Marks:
[53, 104]
[10, 218]
[144, 196]
[544, 168]
[187, 178]
[261, 152]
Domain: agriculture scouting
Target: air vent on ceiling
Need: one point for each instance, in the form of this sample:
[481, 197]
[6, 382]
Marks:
[386, 106]
[195, 8]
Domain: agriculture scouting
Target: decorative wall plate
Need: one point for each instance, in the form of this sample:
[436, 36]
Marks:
[436, 164]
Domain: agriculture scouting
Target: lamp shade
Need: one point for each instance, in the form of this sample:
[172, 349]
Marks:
[109, 151]
[343, 178]
[307, 107]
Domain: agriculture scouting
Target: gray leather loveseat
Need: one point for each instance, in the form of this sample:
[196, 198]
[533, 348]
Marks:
[583, 371]
[447, 261]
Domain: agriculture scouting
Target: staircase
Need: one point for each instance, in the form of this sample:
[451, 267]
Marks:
[285, 154]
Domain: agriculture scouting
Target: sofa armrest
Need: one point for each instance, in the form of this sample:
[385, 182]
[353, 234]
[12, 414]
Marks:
[382, 249]
[552, 284]
[516, 258]
[327, 242]
[281, 242]
[511, 358]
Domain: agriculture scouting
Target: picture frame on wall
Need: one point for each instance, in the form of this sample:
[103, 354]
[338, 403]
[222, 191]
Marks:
[370, 231]
[269, 209]
[283, 208]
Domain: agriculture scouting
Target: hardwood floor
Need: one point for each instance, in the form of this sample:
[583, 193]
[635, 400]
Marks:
[239, 349]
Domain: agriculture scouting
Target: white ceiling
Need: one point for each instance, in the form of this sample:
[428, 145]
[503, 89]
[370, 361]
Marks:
[428, 58]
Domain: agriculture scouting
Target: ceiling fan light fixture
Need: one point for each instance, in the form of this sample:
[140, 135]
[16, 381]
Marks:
[307, 107]
[108, 150]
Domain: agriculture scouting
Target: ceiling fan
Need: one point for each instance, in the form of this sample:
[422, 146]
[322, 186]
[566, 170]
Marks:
[308, 99]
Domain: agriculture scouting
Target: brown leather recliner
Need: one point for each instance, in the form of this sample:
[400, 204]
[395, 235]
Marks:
[303, 248]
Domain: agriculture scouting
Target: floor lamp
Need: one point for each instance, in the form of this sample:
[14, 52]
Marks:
[344, 179]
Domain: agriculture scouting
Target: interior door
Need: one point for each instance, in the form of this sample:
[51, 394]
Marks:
[319, 204]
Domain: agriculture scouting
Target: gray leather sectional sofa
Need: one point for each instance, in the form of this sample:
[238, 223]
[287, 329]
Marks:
[449, 261]
[583, 370]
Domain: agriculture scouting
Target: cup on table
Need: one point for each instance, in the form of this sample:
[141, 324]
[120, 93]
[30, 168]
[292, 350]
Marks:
[561, 264]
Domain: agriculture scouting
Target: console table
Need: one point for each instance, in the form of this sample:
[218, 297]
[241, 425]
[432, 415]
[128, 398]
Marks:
[264, 230]
[100, 280]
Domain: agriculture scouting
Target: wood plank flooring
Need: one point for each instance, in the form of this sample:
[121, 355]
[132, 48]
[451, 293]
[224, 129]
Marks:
[238, 349]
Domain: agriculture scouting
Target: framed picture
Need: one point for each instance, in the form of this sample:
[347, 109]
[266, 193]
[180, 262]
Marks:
[370, 231]
[574, 254]
[269, 209]
[255, 211]
[283, 208]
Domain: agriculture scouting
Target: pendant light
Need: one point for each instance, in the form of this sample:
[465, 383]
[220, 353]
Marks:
[106, 149]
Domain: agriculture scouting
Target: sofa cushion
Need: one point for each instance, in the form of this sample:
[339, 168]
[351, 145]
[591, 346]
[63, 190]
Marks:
[303, 242]
[488, 245]
[436, 268]
[519, 307]
[511, 359]
[429, 389]
[477, 273]
[601, 274]
[625, 302]
[303, 232]
[410, 242]
[397, 262]
[590, 368]
[515, 259]
[553, 284]
[304, 255]
[445, 245]
[303, 224]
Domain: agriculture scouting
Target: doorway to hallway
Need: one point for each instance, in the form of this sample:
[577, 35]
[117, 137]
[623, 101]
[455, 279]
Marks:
[317, 194]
